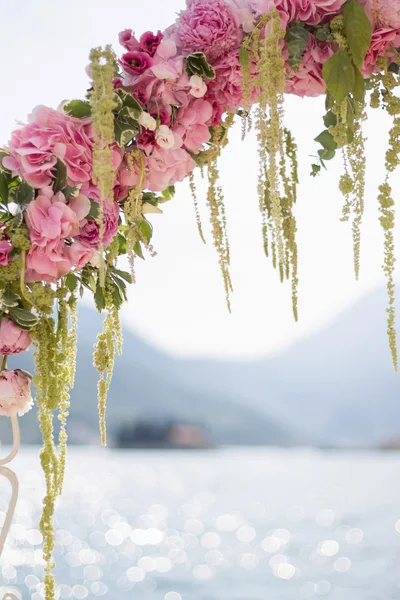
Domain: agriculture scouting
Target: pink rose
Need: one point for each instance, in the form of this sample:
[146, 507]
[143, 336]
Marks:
[208, 26]
[90, 230]
[191, 124]
[5, 249]
[47, 263]
[136, 63]
[167, 167]
[15, 393]
[382, 41]
[49, 221]
[13, 340]
[49, 135]
[150, 42]
[226, 88]
[80, 254]
[127, 40]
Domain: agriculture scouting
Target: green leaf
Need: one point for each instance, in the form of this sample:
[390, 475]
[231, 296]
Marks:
[244, 57]
[94, 210]
[121, 244]
[330, 119]
[130, 115]
[131, 102]
[23, 318]
[100, 297]
[146, 230]
[124, 132]
[326, 154]
[168, 193]
[326, 140]
[137, 248]
[23, 194]
[197, 64]
[10, 299]
[124, 275]
[70, 192]
[71, 282]
[78, 108]
[3, 187]
[339, 75]
[358, 31]
[315, 170]
[359, 86]
[60, 176]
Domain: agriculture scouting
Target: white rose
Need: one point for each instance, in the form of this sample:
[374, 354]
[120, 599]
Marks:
[165, 138]
[147, 121]
[198, 86]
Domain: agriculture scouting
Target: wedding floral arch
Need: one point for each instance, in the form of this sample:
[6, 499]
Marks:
[77, 184]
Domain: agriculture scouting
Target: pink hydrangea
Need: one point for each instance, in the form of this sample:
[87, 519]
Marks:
[50, 134]
[47, 263]
[308, 79]
[226, 88]
[90, 229]
[383, 13]
[191, 125]
[383, 40]
[5, 249]
[167, 167]
[79, 254]
[48, 221]
[13, 339]
[208, 26]
[309, 11]
[15, 393]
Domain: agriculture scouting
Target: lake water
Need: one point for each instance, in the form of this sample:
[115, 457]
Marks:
[234, 524]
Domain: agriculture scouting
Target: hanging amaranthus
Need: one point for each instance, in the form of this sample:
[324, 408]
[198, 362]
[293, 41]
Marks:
[102, 66]
[385, 83]
[215, 200]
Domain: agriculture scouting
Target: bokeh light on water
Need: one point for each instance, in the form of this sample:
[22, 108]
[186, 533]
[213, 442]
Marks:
[219, 525]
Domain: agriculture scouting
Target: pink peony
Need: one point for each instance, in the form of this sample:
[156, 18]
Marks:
[49, 221]
[47, 263]
[383, 40]
[191, 125]
[13, 340]
[5, 249]
[383, 13]
[208, 26]
[15, 393]
[49, 135]
[150, 42]
[90, 230]
[167, 167]
[226, 88]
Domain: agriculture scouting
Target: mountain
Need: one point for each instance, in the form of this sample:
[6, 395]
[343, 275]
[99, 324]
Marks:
[147, 385]
[336, 386]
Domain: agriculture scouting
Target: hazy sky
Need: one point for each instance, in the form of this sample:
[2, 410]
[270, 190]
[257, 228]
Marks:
[178, 302]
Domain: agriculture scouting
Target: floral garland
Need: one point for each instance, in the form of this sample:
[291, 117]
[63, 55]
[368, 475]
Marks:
[78, 183]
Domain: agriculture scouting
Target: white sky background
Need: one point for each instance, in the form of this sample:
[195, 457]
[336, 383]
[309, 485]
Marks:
[178, 303]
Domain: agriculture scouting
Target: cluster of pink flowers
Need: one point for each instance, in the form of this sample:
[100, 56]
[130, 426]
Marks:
[15, 386]
[179, 108]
